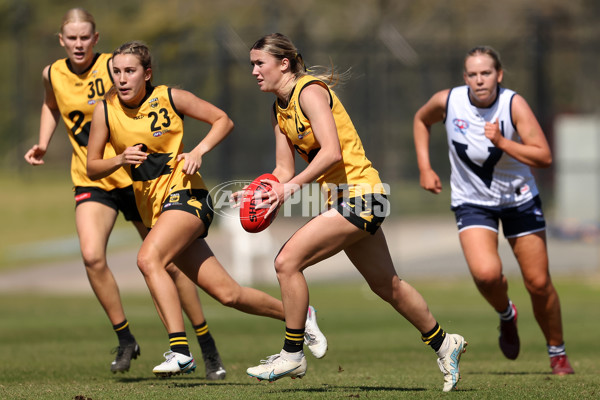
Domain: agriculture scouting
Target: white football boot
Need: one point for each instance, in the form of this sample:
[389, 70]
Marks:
[175, 364]
[313, 337]
[449, 357]
[276, 367]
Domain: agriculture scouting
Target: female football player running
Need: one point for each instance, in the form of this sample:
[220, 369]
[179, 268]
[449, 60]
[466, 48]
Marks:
[308, 118]
[494, 139]
[144, 124]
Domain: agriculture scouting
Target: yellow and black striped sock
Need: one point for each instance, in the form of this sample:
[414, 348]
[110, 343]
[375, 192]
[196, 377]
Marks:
[205, 339]
[434, 337]
[123, 333]
[294, 340]
[179, 343]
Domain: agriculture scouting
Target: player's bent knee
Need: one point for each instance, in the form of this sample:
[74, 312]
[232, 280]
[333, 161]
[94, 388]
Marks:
[227, 297]
[94, 260]
[385, 289]
[284, 265]
[144, 263]
[540, 286]
[487, 280]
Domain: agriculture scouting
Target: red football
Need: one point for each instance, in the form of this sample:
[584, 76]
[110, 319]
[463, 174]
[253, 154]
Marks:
[252, 218]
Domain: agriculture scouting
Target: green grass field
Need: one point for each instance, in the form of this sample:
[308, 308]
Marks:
[58, 347]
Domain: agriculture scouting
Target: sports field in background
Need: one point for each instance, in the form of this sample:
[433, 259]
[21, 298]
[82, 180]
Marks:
[58, 347]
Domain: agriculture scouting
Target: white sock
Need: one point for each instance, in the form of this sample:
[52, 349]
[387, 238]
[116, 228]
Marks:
[444, 347]
[509, 313]
[296, 356]
[554, 351]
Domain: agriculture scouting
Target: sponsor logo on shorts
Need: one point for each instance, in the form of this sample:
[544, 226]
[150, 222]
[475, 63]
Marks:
[195, 203]
[83, 196]
[367, 215]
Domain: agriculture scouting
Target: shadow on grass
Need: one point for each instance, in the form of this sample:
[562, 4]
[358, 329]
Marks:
[326, 389]
[500, 373]
[362, 388]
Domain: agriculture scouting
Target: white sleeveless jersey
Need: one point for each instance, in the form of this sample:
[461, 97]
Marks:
[481, 173]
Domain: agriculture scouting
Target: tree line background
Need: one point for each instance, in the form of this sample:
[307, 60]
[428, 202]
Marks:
[399, 53]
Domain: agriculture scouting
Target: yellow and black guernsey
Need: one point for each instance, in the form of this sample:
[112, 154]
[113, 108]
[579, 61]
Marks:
[158, 127]
[76, 96]
[353, 175]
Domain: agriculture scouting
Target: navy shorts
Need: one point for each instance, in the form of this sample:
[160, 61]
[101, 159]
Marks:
[516, 221]
[194, 201]
[118, 199]
[366, 212]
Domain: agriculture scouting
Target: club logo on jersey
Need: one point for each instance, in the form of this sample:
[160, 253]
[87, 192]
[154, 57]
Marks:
[461, 125]
[153, 102]
[174, 198]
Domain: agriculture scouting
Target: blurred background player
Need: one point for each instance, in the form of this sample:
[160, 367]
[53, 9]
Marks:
[494, 139]
[144, 124]
[307, 117]
[73, 86]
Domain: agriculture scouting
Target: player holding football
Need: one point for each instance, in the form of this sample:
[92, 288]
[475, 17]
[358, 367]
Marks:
[309, 118]
[144, 124]
[494, 139]
[73, 86]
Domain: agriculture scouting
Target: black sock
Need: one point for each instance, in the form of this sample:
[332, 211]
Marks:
[434, 337]
[179, 343]
[294, 340]
[205, 339]
[123, 333]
